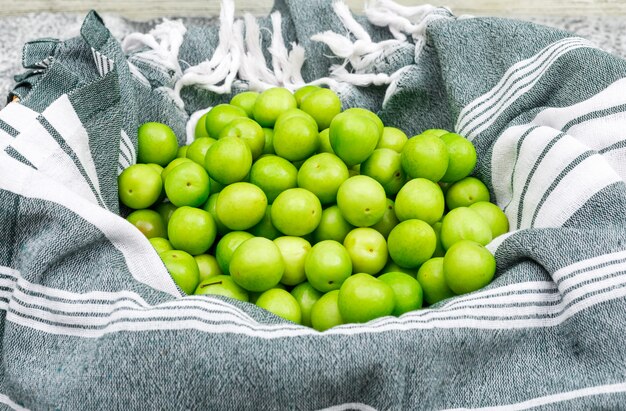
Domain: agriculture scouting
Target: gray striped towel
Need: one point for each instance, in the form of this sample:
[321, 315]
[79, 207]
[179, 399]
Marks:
[91, 319]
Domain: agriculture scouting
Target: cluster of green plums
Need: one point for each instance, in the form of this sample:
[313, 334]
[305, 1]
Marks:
[320, 216]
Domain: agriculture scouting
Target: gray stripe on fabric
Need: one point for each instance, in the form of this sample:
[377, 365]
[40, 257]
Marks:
[8, 128]
[68, 150]
[125, 158]
[517, 151]
[512, 85]
[18, 156]
[557, 180]
[615, 146]
[538, 161]
[592, 115]
[582, 270]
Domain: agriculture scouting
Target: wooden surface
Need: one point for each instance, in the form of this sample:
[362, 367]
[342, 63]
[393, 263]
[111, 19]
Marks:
[146, 9]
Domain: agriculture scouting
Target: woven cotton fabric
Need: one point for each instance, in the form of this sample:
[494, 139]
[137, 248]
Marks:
[91, 319]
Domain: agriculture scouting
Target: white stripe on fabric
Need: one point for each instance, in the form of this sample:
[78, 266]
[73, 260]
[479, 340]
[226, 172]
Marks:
[62, 116]
[518, 81]
[8, 401]
[18, 116]
[5, 138]
[599, 133]
[557, 117]
[583, 265]
[529, 152]
[514, 72]
[103, 63]
[555, 398]
[141, 259]
[504, 159]
[127, 147]
[45, 153]
[540, 312]
[85, 302]
[615, 159]
[574, 190]
[558, 157]
[497, 242]
[358, 406]
[576, 187]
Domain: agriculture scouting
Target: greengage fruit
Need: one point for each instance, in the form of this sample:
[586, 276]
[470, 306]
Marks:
[325, 312]
[411, 243]
[219, 116]
[281, 303]
[363, 298]
[182, 268]
[149, 222]
[468, 266]
[257, 264]
[362, 201]
[431, 278]
[222, 285]
[156, 143]
[407, 292]
[241, 206]
[192, 230]
[327, 265]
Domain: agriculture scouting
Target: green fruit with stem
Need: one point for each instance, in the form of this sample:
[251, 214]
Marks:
[187, 185]
[222, 285]
[139, 186]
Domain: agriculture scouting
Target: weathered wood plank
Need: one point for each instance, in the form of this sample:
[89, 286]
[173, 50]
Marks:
[146, 9]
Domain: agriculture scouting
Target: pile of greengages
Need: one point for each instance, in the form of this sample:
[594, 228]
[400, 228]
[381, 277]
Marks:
[318, 215]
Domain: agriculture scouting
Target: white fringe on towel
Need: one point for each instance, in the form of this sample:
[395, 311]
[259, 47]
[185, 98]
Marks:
[362, 54]
[163, 44]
